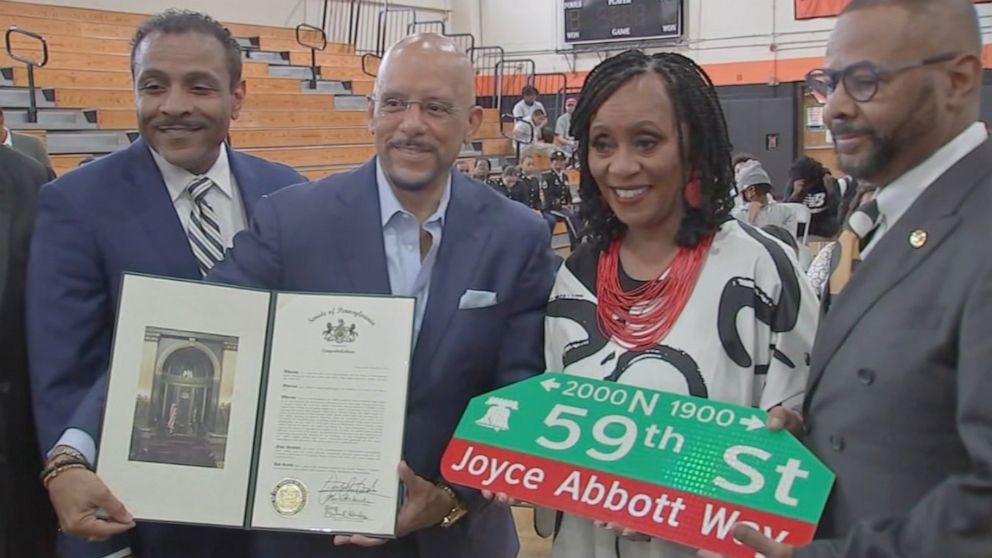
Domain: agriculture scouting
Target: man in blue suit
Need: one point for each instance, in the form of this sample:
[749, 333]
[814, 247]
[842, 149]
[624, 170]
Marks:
[167, 205]
[479, 265]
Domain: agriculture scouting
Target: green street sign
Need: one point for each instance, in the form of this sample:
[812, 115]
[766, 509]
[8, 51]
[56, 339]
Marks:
[675, 467]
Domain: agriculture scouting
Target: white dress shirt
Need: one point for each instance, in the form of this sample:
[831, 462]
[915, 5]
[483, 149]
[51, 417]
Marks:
[409, 274]
[8, 138]
[897, 197]
[226, 202]
[224, 199]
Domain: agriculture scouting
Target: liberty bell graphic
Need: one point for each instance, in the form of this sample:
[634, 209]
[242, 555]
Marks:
[497, 417]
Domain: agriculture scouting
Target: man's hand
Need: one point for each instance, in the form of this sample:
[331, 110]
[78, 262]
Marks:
[425, 506]
[500, 497]
[753, 209]
[77, 496]
[784, 418]
[757, 541]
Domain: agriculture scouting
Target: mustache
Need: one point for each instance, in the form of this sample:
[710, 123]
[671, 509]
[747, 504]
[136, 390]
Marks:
[166, 122]
[841, 128]
[411, 143]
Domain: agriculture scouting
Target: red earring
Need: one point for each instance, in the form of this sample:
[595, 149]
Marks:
[694, 191]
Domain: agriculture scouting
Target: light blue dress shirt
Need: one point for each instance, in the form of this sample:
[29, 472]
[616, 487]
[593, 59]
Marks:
[409, 275]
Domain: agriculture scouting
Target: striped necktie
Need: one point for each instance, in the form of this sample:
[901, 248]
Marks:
[861, 227]
[204, 232]
[864, 222]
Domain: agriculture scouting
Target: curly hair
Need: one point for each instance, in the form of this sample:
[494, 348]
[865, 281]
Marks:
[706, 148]
[808, 169]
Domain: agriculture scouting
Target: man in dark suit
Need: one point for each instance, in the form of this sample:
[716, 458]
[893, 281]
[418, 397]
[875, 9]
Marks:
[901, 373]
[167, 205]
[27, 525]
[479, 266]
[24, 144]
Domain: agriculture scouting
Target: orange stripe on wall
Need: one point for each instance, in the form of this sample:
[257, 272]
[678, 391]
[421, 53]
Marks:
[808, 9]
[730, 73]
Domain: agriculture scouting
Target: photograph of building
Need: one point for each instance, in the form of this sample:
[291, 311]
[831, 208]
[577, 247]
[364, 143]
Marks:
[184, 398]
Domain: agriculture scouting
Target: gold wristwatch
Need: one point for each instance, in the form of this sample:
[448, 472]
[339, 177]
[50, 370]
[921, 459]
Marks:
[458, 509]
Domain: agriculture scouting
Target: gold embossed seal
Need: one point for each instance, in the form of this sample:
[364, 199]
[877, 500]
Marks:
[289, 497]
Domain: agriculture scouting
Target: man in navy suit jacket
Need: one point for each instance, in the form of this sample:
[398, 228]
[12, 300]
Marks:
[166, 205]
[479, 265]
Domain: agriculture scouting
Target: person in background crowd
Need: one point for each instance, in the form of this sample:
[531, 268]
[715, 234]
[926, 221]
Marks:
[755, 186]
[27, 524]
[527, 189]
[24, 144]
[563, 135]
[462, 167]
[530, 129]
[898, 404]
[807, 178]
[482, 169]
[661, 269]
[525, 107]
[507, 181]
[169, 204]
[558, 197]
[738, 162]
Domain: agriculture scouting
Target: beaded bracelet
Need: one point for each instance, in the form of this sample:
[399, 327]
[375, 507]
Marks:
[72, 452]
[49, 475]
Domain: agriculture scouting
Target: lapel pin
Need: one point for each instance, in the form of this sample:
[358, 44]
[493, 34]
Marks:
[918, 238]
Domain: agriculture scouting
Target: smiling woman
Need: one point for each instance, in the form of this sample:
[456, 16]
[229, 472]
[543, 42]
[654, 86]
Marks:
[667, 279]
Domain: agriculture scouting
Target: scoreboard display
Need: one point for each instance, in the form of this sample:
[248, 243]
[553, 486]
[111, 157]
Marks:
[597, 21]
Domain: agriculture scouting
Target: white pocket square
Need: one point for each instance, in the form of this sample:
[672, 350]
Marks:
[476, 299]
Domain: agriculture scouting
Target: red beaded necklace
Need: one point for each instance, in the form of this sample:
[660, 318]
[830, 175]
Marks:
[641, 318]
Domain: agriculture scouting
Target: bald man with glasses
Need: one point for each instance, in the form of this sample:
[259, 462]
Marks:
[479, 266]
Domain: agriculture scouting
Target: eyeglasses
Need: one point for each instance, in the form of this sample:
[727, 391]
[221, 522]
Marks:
[393, 106]
[861, 80]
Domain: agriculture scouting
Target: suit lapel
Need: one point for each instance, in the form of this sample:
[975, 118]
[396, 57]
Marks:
[251, 186]
[893, 258]
[357, 231]
[149, 201]
[462, 243]
[6, 224]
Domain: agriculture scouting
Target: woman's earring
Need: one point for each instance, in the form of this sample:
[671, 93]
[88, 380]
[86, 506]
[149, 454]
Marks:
[694, 191]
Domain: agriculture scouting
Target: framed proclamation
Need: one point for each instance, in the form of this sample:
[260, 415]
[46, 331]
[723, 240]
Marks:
[244, 408]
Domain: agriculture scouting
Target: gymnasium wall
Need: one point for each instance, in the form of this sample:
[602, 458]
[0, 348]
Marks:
[285, 13]
[735, 35]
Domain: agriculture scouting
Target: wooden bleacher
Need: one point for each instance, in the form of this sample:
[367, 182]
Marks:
[88, 72]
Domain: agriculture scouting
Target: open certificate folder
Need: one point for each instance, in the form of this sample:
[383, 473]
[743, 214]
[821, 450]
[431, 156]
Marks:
[268, 410]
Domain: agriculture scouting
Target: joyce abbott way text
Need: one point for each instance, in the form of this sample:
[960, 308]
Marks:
[246, 408]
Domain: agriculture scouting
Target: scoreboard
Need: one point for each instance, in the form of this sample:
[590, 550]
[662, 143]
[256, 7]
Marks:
[597, 21]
